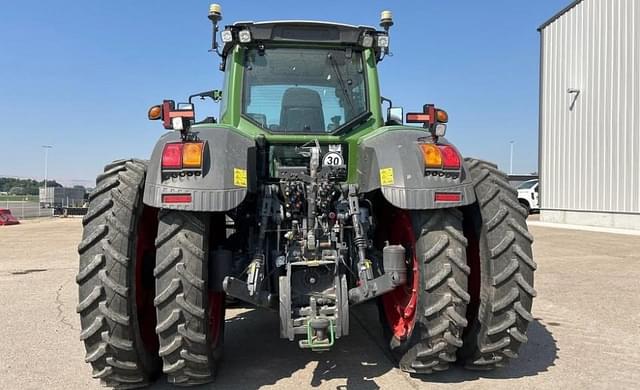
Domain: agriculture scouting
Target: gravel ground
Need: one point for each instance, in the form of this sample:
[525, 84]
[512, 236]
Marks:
[586, 333]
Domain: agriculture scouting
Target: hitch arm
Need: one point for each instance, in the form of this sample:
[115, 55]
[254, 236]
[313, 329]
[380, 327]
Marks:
[364, 266]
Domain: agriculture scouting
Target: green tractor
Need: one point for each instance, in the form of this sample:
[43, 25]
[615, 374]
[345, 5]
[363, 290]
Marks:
[304, 199]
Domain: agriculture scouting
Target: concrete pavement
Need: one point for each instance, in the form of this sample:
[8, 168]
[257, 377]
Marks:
[586, 333]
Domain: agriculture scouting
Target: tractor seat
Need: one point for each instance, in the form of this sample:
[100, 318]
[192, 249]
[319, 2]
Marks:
[301, 110]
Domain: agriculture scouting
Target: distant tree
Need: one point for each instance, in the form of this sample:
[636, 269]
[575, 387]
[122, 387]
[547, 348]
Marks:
[17, 191]
[80, 187]
[51, 183]
[30, 186]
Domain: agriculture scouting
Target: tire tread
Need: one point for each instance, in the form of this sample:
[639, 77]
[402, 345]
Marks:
[507, 266]
[104, 288]
[180, 301]
[440, 246]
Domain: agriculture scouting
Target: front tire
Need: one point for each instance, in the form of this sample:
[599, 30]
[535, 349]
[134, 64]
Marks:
[115, 279]
[424, 320]
[190, 317]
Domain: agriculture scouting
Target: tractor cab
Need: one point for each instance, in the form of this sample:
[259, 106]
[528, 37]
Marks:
[301, 77]
[309, 80]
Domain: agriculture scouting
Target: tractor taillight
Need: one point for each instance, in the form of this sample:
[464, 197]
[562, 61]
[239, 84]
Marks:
[183, 155]
[172, 156]
[440, 157]
[450, 157]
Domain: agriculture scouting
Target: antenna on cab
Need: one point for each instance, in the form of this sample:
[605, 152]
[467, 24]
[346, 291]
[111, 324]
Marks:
[215, 15]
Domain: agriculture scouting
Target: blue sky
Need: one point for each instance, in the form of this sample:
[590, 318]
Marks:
[81, 75]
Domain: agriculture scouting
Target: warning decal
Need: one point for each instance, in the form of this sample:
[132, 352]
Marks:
[240, 177]
[386, 176]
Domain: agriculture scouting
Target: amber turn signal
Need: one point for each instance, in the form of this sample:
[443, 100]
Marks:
[442, 116]
[155, 113]
[192, 155]
[431, 155]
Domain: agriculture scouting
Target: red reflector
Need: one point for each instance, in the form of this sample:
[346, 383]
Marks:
[176, 198]
[181, 114]
[418, 118]
[448, 197]
[450, 157]
[172, 156]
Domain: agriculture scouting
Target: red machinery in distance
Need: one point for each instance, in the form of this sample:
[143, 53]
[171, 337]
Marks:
[6, 218]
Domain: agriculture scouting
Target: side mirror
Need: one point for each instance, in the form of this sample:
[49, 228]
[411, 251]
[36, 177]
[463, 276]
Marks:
[214, 95]
[395, 116]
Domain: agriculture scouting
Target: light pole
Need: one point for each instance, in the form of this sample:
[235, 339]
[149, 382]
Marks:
[46, 161]
[511, 158]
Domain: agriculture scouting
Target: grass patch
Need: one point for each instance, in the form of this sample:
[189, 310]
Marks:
[19, 198]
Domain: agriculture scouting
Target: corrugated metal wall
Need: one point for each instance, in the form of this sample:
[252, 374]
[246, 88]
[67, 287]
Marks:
[590, 148]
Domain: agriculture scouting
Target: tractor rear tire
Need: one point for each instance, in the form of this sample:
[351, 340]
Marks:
[190, 317]
[115, 279]
[502, 289]
[425, 319]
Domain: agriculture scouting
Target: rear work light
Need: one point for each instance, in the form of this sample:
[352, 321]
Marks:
[244, 36]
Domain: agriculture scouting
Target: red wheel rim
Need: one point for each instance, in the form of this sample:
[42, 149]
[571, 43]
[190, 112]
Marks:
[144, 289]
[216, 316]
[400, 304]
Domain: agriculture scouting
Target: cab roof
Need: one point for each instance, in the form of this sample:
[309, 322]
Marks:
[302, 31]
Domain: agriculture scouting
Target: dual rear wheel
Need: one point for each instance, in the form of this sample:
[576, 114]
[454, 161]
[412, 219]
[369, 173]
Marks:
[470, 287]
[468, 296]
[127, 281]
[116, 287]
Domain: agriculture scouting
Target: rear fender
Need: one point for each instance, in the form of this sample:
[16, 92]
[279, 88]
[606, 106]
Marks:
[228, 172]
[392, 162]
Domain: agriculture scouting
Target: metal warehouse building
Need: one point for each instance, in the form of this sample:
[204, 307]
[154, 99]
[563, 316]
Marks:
[589, 153]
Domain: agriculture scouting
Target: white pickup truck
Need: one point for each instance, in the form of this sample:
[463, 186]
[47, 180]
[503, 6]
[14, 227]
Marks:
[528, 195]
